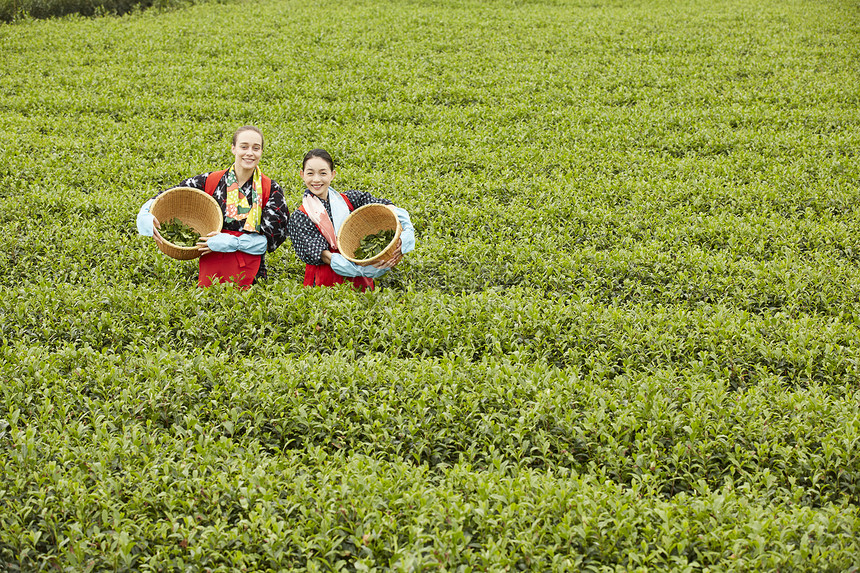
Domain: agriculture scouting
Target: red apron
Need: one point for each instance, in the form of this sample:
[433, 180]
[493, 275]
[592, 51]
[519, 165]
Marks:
[236, 267]
[324, 275]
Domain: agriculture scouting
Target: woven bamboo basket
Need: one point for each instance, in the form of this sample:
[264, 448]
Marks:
[368, 220]
[193, 207]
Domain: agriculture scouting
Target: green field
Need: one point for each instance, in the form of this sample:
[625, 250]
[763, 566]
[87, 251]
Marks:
[628, 339]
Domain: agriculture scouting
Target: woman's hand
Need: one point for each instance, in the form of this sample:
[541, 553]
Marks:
[155, 234]
[203, 243]
[396, 257]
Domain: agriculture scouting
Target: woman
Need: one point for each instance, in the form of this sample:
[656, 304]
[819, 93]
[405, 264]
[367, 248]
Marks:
[313, 227]
[255, 215]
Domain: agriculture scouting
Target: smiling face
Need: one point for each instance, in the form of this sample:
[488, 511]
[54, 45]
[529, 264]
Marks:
[317, 175]
[248, 149]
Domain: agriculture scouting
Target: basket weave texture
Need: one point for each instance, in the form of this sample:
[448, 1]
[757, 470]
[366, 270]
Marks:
[368, 220]
[193, 207]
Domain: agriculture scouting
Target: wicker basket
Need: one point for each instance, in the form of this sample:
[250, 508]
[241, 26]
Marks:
[193, 207]
[368, 220]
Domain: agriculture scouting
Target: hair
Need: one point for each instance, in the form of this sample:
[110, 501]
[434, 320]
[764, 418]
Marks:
[248, 128]
[322, 154]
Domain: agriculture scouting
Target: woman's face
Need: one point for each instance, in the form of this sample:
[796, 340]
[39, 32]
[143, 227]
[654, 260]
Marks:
[248, 149]
[317, 175]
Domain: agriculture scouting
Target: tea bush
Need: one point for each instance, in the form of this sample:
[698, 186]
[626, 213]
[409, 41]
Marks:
[13, 10]
[627, 340]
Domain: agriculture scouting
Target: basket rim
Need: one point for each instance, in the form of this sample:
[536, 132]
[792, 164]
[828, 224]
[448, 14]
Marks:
[174, 190]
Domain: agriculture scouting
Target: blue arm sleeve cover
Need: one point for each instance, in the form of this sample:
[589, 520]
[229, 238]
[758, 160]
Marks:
[223, 243]
[345, 268]
[253, 244]
[407, 236]
[144, 220]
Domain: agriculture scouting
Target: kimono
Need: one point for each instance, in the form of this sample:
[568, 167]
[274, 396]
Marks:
[309, 242]
[240, 267]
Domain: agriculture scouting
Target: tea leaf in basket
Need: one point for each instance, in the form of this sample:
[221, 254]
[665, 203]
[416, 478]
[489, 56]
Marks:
[178, 233]
[372, 245]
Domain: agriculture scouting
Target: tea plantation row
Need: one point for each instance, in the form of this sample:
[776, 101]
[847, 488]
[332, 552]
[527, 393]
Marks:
[160, 458]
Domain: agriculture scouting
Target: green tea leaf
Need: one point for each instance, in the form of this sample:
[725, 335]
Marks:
[372, 245]
[179, 233]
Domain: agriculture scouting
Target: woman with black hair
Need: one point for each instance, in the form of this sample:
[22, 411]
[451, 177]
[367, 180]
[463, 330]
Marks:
[313, 227]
